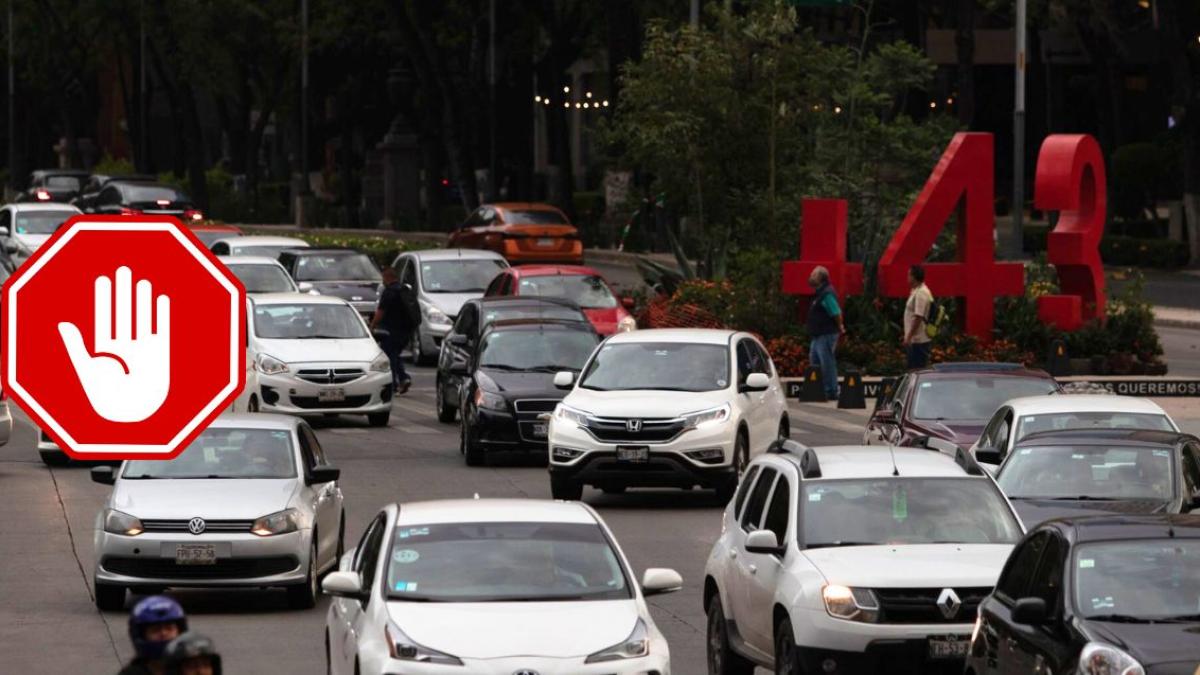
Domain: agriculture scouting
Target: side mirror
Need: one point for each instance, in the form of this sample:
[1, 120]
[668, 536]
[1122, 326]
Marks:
[988, 456]
[343, 585]
[563, 379]
[458, 340]
[103, 475]
[885, 416]
[658, 580]
[1029, 611]
[3, 230]
[322, 474]
[757, 382]
[763, 541]
[304, 286]
[628, 302]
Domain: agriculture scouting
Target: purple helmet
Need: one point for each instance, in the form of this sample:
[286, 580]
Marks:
[151, 610]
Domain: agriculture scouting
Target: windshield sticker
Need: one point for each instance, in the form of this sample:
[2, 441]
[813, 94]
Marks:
[926, 385]
[1103, 603]
[1026, 451]
[662, 352]
[1086, 563]
[900, 505]
[721, 383]
[414, 532]
[405, 586]
[1162, 453]
[405, 556]
[814, 496]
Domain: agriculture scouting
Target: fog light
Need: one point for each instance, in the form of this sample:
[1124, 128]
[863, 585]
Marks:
[707, 455]
[385, 394]
[269, 395]
[565, 454]
[829, 665]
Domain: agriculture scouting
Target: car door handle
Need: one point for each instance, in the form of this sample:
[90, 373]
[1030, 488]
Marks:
[733, 553]
[753, 569]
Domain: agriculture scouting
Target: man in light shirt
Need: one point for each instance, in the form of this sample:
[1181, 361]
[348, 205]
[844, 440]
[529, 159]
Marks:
[916, 340]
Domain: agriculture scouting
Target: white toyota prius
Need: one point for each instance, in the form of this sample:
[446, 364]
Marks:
[492, 586]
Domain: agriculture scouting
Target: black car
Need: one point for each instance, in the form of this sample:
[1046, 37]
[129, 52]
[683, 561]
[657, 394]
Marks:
[340, 272]
[474, 317]
[1088, 472]
[1093, 595]
[508, 388]
[127, 198]
[86, 199]
[53, 185]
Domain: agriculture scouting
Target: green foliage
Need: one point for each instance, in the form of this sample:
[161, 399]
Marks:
[1123, 250]
[383, 250]
[112, 166]
[1138, 171]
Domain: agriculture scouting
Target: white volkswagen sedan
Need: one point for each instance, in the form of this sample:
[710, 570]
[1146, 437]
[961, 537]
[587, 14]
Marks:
[259, 245]
[666, 408]
[312, 355]
[251, 503]
[492, 587]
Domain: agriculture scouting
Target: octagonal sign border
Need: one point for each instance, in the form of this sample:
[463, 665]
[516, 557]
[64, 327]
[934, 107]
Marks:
[113, 451]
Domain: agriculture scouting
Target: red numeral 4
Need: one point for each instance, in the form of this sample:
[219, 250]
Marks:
[823, 242]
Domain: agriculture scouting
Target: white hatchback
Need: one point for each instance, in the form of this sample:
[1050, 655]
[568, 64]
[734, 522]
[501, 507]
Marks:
[492, 587]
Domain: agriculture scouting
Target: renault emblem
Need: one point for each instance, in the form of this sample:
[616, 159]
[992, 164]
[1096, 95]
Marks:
[525, 672]
[196, 526]
[633, 426]
[949, 603]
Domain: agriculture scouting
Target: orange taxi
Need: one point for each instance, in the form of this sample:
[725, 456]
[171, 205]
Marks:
[522, 232]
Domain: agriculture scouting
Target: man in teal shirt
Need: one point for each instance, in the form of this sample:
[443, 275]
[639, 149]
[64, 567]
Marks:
[825, 325]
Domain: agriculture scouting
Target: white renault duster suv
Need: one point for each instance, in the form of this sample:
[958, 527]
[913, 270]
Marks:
[854, 559]
[665, 408]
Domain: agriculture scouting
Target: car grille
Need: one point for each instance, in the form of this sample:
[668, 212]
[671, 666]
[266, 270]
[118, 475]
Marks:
[536, 405]
[616, 430]
[528, 410]
[230, 568]
[920, 605]
[311, 402]
[330, 375]
[209, 525]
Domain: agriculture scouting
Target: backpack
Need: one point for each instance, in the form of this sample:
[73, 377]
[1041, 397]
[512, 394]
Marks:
[935, 317]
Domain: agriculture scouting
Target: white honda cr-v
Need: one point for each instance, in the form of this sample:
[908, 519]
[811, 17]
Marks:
[666, 408]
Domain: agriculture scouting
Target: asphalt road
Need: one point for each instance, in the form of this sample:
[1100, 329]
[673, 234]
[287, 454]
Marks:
[48, 623]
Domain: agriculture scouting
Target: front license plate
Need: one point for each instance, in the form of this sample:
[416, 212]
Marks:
[337, 394]
[545, 242]
[539, 429]
[195, 554]
[633, 453]
[948, 646]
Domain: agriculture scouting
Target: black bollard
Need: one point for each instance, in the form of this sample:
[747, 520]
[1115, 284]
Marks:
[851, 395]
[812, 391]
[1057, 361]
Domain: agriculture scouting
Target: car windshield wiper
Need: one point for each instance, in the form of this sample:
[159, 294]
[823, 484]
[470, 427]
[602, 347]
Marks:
[408, 597]
[323, 337]
[140, 477]
[1123, 618]
[1080, 498]
[503, 366]
[458, 290]
[554, 368]
[830, 544]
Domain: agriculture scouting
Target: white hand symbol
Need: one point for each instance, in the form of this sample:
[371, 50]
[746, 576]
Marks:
[126, 378]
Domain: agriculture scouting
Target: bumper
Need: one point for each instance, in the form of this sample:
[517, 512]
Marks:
[286, 393]
[497, 431]
[242, 560]
[862, 647]
[524, 251]
[6, 423]
[668, 464]
[431, 336]
[657, 662]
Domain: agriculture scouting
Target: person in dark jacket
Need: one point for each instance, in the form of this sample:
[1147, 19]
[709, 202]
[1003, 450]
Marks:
[192, 654]
[392, 315]
[153, 623]
[825, 326]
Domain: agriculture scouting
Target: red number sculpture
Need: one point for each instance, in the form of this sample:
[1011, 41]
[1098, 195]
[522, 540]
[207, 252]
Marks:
[1071, 180]
[965, 170]
[823, 242]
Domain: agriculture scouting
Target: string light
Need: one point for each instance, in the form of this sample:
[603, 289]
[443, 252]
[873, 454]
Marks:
[605, 103]
[589, 94]
[578, 105]
[950, 101]
[585, 105]
[933, 104]
[566, 104]
[837, 110]
[566, 90]
[546, 100]
[537, 99]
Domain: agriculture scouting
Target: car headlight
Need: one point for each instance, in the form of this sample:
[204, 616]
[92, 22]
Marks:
[434, 316]
[707, 418]
[635, 646]
[626, 324]
[269, 365]
[490, 401]
[280, 522]
[404, 648]
[851, 604]
[116, 522]
[1097, 658]
[566, 413]
[381, 364]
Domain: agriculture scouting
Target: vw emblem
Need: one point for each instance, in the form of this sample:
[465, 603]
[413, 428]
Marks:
[196, 526]
[356, 298]
[633, 426]
[525, 672]
[949, 603]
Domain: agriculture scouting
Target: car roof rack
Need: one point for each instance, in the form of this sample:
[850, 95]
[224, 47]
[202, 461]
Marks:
[976, 365]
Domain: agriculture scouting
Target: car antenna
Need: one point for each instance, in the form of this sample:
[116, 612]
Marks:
[892, 450]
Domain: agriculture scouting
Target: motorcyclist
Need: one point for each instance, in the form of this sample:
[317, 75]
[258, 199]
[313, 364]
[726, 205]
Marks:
[192, 654]
[153, 623]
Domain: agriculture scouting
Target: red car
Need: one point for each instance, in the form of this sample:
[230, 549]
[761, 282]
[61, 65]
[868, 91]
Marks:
[582, 285]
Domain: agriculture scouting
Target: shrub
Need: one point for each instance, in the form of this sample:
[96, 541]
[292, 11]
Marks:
[1122, 250]
[382, 250]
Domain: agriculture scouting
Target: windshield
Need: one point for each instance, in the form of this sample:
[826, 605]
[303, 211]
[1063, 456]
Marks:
[542, 310]
[263, 278]
[224, 453]
[550, 350]
[504, 562]
[308, 322]
[587, 291]
[152, 193]
[41, 222]
[210, 237]
[264, 250]
[534, 218]
[67, 182]
[1139, 579]
[1032, 424]
[974, 398]
[459, 276]
[336, 267]
[906, 511]
[670, 366]
[1097, 471]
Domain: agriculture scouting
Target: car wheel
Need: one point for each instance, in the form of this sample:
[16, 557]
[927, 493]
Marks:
[379, 419]
[109, 598]
[341, 544]
[722, 660]
[787, 657]
[304, 596]
[252, 404]
[785, 429]
[419, 357]
[445, 413]
[54, 457]
[566, 490]
[467, 445]
[741, 454]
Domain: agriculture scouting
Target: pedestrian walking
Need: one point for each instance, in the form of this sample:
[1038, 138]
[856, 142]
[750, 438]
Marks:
[916, 339]
[392, 315]
[825, 326]
[153, 623]
[192, 654]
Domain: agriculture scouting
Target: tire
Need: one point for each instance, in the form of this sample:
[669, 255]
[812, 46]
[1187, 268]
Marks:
[379, 419]
[721, 658]
[304, 596]
[467, 445]
[566, 490]
[419, 357]
[109, 598]
[741, 454]
[252, 404]
[445, 413]
[787, 657]
[54, 457]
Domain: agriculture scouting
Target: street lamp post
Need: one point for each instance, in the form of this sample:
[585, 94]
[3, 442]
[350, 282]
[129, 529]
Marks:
[1018, 204]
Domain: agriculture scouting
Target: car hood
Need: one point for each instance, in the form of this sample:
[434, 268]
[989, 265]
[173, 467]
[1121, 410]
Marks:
[962, 433]
[911, 565]
[515, 385]
[31, 241]
[1033, 512]
[450, 303]
[350, 291]
[358, 350]
[232, 499]
[604, 320]
[648, 403]
[1152, 643]
[489, 630]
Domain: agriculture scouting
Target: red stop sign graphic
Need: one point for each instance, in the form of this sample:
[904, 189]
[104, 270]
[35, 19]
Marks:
[123, 337]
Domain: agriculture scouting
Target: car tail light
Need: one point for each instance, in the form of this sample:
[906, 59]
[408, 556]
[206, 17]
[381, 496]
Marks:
[43, 195]
[163, 202]
[193, 214]
[125, 211]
